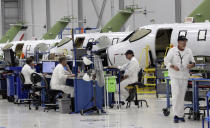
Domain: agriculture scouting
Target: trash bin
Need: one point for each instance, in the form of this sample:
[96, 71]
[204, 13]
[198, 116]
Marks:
[65, 105]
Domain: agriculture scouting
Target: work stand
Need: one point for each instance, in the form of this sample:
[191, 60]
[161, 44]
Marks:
[93, 99]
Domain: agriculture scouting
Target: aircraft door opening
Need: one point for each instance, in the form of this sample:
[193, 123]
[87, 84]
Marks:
[19, 49]
[79, 42]
[162, 41]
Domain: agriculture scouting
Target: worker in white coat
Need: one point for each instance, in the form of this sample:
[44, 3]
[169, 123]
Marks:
[59, 76]
[27, 70]
[130, 76]
[178, 62]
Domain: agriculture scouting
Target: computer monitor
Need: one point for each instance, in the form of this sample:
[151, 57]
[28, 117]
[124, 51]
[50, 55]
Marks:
[9, 57]
[48, 67]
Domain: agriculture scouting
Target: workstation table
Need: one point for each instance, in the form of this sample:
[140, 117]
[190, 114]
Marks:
[14, 84]
[83, 93]
[196, 84]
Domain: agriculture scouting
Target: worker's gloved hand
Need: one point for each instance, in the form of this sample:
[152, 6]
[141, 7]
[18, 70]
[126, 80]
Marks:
[189, 66]
[112, 66]
[174, 67]
[44, 74]
[72, 75]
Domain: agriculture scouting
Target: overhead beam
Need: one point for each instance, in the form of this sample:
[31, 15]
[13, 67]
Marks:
[95, 8]
[101, 13]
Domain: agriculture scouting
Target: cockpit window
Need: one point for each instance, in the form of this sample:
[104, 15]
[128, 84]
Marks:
[64, 41]
[54, 44]
[139, 34]
[127, 37]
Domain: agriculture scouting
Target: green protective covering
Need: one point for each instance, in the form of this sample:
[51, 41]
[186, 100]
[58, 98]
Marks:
[11, 33]
[201, 13]
[111, 84]
[166, 75]
[116, 23]
[58, 27]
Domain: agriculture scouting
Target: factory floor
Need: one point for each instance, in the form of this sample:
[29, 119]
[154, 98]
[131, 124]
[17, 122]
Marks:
[14, 116]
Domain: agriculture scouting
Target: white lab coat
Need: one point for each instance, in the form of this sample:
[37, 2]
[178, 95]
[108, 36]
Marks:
[58, 80]
[27, 71]
[173, 58]
[179, 79]
[131, 69]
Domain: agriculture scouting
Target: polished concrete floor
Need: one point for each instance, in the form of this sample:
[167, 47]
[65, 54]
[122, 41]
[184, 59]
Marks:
[14, 116]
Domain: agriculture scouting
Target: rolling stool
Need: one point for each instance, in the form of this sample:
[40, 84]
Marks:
[133, 92]
[133, 97]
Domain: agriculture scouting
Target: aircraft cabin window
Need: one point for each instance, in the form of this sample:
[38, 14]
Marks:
[115, 41]
[183, 33]
[139, 34]
[64, 41]
[202, 35]
[28, 47]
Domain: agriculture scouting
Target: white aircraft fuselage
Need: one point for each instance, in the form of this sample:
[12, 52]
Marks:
[81, 41]
[160, 36]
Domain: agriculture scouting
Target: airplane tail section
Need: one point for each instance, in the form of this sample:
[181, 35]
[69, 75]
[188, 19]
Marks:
[12, 33]
[54, 31]
[115, 24]
[201, 13]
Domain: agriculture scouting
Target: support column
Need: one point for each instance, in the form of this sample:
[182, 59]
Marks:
[112, 7]
[121, 4]
[178, 15]
[1, 17]
[48, 15]
[32, 18]
[20, 10]
[121, 7]
[80, 13]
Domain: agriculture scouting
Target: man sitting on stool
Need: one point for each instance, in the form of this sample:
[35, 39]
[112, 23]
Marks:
[130, 76]
[59, 76]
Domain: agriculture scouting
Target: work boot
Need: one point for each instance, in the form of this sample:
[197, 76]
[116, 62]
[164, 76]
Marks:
[176, 119]
[181, 119]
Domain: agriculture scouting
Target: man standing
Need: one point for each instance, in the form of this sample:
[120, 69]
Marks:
[178, 62]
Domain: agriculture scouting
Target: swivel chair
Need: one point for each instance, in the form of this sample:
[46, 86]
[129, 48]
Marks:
[133, 97]
[36, 99]
[51, 95]
[25, 87]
